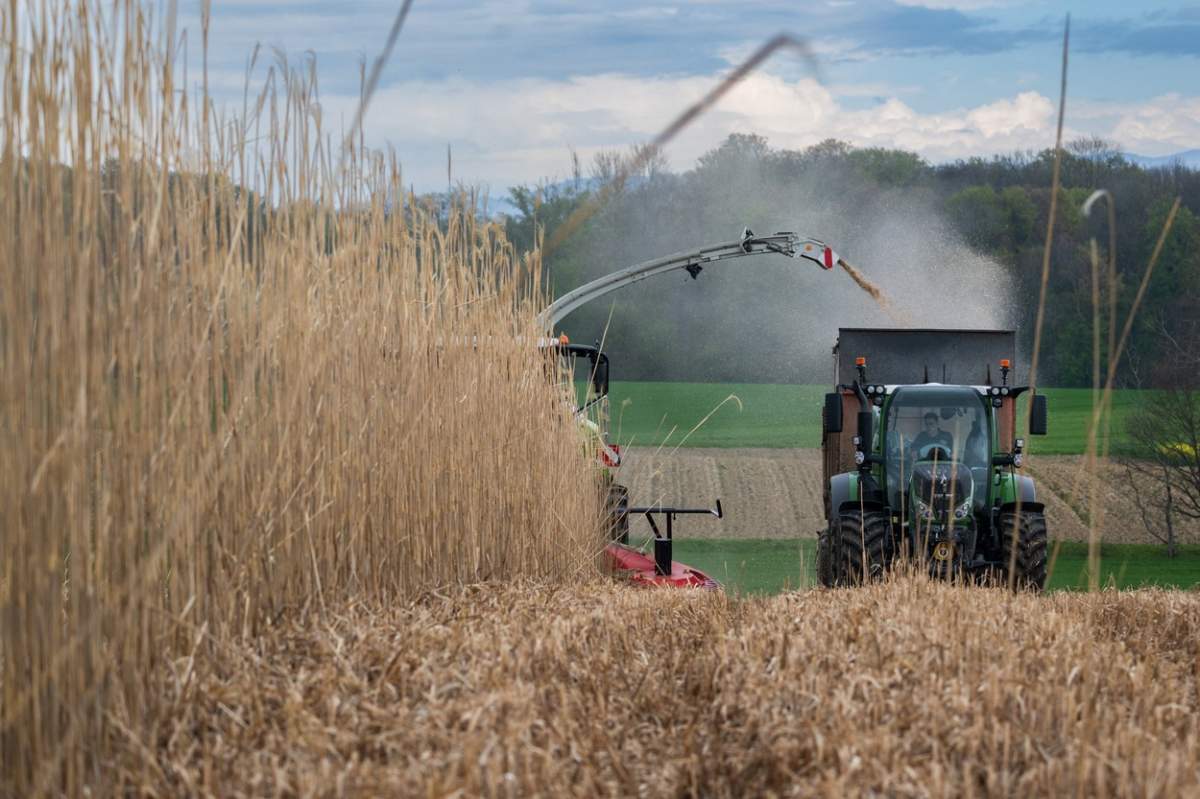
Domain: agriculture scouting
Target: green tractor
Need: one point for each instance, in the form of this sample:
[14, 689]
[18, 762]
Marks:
[927, 471]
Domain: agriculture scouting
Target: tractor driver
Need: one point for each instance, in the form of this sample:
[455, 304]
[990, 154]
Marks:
[932, 434]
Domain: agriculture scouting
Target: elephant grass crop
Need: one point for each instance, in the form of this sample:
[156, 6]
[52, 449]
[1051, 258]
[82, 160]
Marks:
[242, 374]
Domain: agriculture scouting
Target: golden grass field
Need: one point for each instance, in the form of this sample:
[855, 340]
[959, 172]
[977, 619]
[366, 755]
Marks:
[290, 507]
[913, 688]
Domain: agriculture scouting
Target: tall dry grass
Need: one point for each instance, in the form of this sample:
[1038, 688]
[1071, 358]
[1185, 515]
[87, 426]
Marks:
[242, 374]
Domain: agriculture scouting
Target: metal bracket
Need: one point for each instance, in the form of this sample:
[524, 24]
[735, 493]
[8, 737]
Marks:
[662, 544]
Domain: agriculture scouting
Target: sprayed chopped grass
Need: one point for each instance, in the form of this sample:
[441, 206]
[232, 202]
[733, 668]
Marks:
[780, 415]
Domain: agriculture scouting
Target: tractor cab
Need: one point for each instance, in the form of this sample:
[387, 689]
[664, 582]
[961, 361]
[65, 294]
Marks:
[937, 437]
[586, 372]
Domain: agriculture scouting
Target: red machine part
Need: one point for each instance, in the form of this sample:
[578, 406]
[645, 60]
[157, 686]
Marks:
[638, 569]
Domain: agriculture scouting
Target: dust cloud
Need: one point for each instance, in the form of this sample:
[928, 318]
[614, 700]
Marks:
[770, 318]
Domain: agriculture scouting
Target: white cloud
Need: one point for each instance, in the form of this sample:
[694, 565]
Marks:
[1027, 111]
[1169, 120]
[518, 131]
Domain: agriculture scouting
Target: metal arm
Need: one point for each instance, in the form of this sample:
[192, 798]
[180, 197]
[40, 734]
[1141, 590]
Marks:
[789, 244]
[662, 546]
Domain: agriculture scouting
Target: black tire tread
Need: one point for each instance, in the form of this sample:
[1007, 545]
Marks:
[863, 538]
[1031, 544]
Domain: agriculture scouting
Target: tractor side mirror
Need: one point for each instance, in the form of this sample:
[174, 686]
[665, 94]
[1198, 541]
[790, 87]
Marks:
[1037, 415]
[833, 413]
[600, 377]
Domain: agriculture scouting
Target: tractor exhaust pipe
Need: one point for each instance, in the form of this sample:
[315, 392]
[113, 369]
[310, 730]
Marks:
[866, 423]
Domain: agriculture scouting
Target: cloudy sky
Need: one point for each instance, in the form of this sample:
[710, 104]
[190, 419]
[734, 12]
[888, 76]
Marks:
[513, 85]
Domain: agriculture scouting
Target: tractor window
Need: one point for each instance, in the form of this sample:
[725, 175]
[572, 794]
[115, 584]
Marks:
[945, 423]
[583, 375]
[588, 380]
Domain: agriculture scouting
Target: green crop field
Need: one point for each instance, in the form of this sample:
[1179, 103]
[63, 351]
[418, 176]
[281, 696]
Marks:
[773, 415]
[769, 415]
[760, 566]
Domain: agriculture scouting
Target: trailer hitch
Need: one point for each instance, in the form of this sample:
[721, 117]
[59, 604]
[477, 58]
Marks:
[662, 544]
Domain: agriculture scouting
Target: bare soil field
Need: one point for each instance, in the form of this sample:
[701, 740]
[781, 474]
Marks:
[776, 493]
[598, 690]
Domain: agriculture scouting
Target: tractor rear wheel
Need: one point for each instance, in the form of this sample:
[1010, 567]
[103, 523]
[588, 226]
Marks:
[1029, 567]
[862, 546]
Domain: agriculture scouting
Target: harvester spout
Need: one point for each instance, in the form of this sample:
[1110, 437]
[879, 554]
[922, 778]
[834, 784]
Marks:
[790, 244]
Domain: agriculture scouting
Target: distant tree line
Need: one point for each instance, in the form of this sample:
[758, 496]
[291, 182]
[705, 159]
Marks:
[981, 222]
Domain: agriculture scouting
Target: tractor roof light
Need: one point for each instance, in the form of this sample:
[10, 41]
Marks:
[860, 361]
[1005, 363]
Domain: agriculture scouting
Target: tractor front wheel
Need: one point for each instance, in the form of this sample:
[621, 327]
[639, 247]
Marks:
[1027, 533]
[860, 546]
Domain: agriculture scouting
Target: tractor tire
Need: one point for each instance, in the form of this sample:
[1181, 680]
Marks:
[618, 513]
[862, 546]
[1029, 568]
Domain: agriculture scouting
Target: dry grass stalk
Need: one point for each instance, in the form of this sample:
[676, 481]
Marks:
[234, 383]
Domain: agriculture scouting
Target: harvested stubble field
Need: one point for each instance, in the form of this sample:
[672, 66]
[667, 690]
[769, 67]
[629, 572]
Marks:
[906, 689]
[776, 493]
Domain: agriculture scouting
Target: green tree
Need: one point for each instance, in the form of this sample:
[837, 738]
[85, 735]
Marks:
[1020, 214]
[979, 214]
[888, 167]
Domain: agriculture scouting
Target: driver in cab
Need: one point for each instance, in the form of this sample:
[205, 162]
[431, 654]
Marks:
[932, 434]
